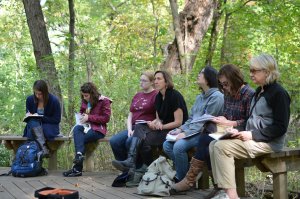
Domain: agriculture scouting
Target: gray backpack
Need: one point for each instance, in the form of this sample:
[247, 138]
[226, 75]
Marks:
[158, 179]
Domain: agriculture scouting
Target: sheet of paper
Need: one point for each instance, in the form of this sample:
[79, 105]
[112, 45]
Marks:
[171, 138]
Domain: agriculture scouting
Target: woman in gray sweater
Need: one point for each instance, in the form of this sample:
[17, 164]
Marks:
[210, 101]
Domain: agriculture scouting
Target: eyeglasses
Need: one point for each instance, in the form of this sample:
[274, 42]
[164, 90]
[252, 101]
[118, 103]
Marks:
[224, 84]
[254, 71]
[144, 80]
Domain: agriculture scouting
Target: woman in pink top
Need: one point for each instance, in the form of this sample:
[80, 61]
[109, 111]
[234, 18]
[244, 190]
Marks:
[141, 110]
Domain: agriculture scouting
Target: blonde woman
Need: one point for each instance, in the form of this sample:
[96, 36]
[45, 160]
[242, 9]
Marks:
[265, 129]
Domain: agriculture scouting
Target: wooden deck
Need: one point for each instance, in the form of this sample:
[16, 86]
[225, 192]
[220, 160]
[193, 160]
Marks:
[91, 185]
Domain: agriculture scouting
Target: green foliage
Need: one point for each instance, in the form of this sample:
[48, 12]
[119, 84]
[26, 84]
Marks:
[4, 157]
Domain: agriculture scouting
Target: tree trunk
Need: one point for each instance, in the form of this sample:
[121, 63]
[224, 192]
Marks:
[214, 34]
[156, 29]
[194, 22]
[224, 48]
[71, 63]
[179, 36]
[41, 46]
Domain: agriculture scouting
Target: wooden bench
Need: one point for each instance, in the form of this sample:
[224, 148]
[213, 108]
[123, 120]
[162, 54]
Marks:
[276, 163]
[89, 153]
[12, 142]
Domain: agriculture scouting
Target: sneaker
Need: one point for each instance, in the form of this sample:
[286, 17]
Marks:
[222, 195]
[72, 173]
[78, 159]
[213, 193]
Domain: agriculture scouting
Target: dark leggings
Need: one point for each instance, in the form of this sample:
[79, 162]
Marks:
[150, 138]
[202, 152]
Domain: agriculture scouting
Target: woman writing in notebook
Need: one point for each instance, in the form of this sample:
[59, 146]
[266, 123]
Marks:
[96, 110]
[46, 109]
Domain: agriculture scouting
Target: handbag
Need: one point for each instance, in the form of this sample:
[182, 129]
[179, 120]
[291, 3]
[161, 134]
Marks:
[157, 181]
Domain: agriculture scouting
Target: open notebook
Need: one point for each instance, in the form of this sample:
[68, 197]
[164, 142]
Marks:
[87, 126]
[221, 133]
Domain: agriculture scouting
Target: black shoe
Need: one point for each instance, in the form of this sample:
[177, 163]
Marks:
[72, 173]
[78, 159]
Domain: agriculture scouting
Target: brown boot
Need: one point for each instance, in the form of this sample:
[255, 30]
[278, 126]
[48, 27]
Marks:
[190, 178]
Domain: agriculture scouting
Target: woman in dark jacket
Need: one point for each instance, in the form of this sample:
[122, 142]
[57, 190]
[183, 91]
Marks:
[43, 115]
[265, 129]
[171, 112]
[94, 114]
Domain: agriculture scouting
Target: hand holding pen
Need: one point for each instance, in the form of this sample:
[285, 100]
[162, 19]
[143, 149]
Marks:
[84, 118]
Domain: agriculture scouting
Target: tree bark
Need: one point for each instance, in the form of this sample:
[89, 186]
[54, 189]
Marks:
[179, 36]
[156, 29]
[41, 46]
[214, 33]
[224, 48]
[71, 63]
[194, 22]
[226, 55]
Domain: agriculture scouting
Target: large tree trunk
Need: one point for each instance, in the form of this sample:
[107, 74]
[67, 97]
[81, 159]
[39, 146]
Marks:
[41, 45]
[194, 22]
[71, 63]
[179, 35]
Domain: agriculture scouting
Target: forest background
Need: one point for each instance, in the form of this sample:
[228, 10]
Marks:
[110, 42]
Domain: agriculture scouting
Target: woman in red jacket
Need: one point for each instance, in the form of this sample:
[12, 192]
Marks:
[95, 113]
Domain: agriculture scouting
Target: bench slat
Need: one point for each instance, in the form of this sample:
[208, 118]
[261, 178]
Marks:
[18, 137]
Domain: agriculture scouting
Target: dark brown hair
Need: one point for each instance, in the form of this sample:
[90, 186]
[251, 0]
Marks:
[91, 89]
[167, 77]
[234, 76]
[41, 85]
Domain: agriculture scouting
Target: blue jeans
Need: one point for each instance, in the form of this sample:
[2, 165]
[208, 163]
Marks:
[202, 152]
[81, 138]
[32, 123]
[177, 151]
[120, 144]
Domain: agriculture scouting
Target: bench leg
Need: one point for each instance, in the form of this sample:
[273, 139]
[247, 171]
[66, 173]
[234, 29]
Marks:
[89, 161]
[240, 181]
[52, 163]
[280, 185]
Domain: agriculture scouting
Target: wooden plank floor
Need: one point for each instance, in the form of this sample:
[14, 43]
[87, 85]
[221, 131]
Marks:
[91, 185]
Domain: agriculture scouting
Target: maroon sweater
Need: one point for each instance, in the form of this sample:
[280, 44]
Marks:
[99, 115]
